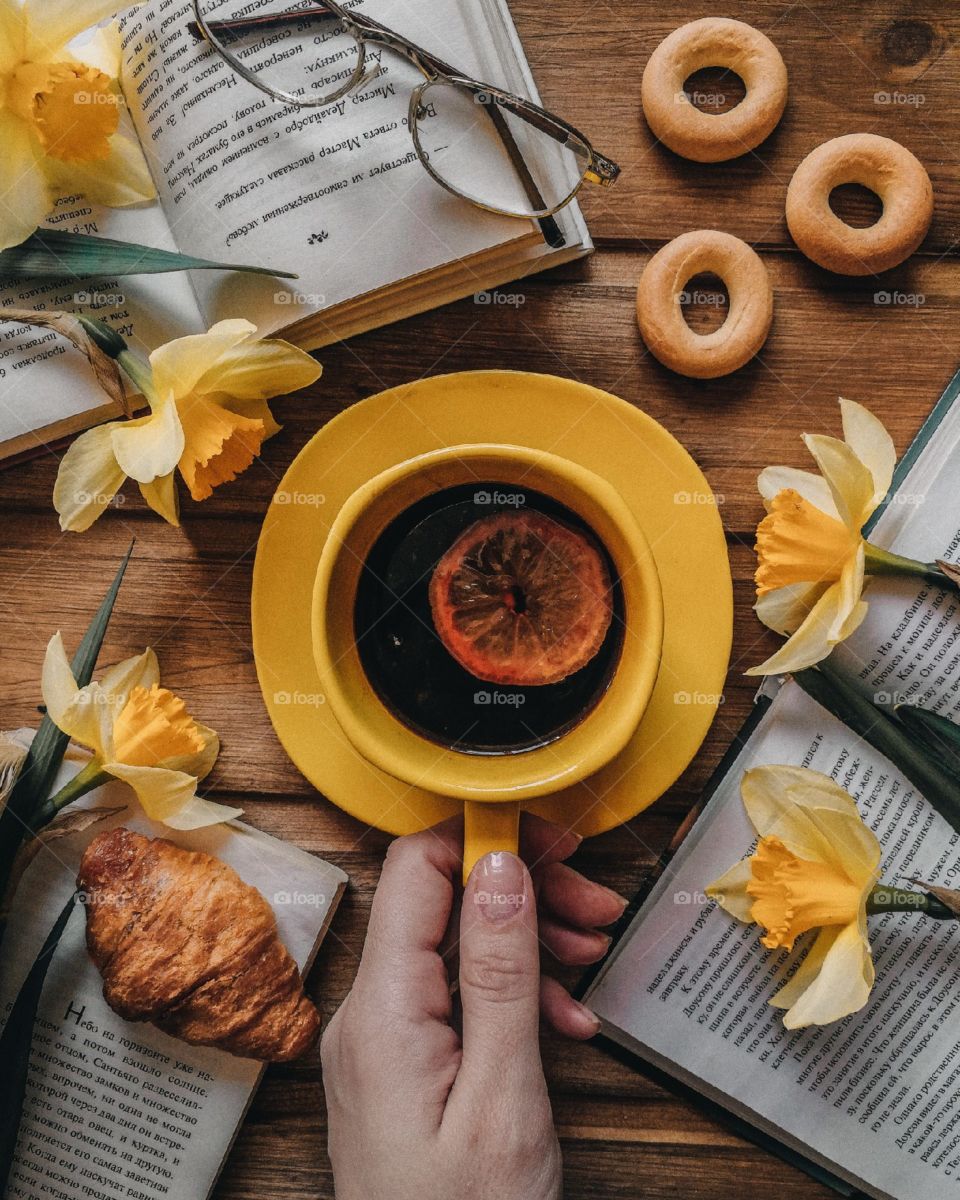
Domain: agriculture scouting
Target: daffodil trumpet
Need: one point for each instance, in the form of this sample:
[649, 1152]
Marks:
[813, 561]
[815, 870]
[207, 418]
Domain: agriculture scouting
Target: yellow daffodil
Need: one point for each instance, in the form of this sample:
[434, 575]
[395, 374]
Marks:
[812, 554]
[60, 114]
[138, 732]
[815, 867]
[208, 417]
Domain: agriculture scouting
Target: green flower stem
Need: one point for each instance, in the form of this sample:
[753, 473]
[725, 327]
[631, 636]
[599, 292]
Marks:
[109, 341]
[92, 776]
[884, 899]
[882, 562]
[831, 688]
[137, 371]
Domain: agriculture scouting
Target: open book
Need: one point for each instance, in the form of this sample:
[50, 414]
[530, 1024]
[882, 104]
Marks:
[336, 196]
[869, 1102]
[120, 1109]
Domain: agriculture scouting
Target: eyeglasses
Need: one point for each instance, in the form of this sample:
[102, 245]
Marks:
[499, 151]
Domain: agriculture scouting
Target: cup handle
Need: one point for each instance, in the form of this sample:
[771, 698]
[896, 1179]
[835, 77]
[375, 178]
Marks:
[488, 827]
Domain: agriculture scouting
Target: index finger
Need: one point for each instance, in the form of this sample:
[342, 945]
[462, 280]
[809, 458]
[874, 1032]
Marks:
[409, 917]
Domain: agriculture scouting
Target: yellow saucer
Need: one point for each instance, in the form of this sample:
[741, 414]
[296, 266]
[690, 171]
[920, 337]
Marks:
[649, 468]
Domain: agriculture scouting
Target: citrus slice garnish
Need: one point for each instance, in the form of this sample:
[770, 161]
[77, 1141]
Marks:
[522, 599]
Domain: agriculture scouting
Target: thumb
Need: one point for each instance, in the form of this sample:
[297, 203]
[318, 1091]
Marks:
[500, 975]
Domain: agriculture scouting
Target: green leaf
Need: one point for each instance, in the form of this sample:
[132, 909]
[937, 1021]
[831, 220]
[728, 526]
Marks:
[16, 1042]
[49, 745]
[838, 694]
[59, 254]
[936, 733]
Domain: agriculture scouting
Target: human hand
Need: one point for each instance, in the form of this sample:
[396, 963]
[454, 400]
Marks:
[417, 1109]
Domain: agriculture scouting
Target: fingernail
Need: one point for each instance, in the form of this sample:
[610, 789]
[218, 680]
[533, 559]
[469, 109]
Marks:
[499, 886]
[621, 900]
[590, 1019]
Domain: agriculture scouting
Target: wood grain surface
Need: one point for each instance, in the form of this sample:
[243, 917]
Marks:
[892, 342]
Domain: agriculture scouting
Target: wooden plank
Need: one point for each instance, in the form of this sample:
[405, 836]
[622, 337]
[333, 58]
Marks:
[881, 68]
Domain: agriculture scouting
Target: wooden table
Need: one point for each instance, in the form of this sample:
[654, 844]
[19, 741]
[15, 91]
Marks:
[883, 67]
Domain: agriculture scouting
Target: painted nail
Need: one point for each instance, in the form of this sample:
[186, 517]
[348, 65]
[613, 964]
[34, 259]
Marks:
[499, 886]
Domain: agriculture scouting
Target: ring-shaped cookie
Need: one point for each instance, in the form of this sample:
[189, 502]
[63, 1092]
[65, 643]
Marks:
[660, 316]
[877, 163]
[714, 42]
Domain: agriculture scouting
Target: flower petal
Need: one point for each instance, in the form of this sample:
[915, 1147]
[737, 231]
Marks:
[120, 180]
[101, 49]
[851, 609]
[162, 793]
[162, 496]
[149, 447]
[850, 481]
[200, 764]
[842, 984]
[867, 436]
[813, 816]
[255, 410]
[118, 681]
[809, 968]
[730, 891]
[57, 684]
[260, 371]
[51, 24]
[198, 814]
[814, 488]
[12, 33]
[812, 642]
[88, 479]
[26, 197]
[78, 712]
[785, 609]
[181, 364]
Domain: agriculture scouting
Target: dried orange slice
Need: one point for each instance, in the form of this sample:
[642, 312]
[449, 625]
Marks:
[522, 599]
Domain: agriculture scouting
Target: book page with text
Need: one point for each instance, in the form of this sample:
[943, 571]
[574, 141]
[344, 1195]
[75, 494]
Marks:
[872, 1097]
[121, 1109]
[335, 194]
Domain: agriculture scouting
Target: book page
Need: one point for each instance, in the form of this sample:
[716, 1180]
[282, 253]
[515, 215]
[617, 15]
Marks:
[44, 380]
[120, 1109]
[335, 194]
[872, 1097]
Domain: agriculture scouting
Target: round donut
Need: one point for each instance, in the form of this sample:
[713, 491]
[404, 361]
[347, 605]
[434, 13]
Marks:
[714, 42]
[877, 163]
[663, 325]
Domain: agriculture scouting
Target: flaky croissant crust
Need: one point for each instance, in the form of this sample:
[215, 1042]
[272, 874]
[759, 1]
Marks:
[183, 942]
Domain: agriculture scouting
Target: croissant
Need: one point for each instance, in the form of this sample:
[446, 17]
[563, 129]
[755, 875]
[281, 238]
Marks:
[182, 941]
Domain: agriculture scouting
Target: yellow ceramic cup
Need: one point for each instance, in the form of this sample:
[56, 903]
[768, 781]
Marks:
[493, 787]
